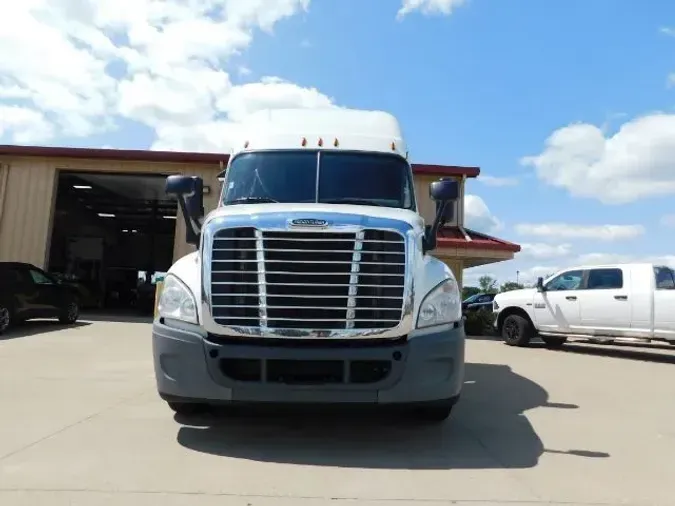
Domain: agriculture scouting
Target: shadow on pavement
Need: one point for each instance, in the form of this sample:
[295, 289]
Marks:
[488, 429]
[115, 317]
[35, 327]
[627, 351]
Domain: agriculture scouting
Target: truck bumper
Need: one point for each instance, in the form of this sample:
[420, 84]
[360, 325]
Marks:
[193, 367]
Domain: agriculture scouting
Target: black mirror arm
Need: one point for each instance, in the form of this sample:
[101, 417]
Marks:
[193, 230]
[430, 238]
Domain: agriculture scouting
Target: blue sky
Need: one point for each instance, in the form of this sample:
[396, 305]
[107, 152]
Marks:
[484, 83]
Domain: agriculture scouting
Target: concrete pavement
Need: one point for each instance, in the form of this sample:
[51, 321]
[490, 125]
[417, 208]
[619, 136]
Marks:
[80, 423]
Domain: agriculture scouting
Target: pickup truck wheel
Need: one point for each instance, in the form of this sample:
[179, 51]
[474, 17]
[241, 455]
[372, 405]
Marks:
[516, 330]
[553, 342]
[187, 408]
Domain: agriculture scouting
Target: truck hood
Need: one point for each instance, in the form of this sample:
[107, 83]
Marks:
[513, 295]
[286, 210]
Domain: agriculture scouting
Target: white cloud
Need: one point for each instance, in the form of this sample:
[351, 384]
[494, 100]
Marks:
[498, 181]
[429, 7]
[24, 125]
[635, 162]
[73, 66]
[666, 30]
[543, 250]
[587, 232]
[477, 215]
[269, 93]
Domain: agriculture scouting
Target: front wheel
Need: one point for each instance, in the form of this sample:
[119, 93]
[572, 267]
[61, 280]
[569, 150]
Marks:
[517, 330]
[5, 318]
[70, 313]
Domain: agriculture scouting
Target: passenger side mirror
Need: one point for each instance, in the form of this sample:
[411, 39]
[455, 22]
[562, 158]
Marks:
[444, 192]
[540, 285]
[189, 190]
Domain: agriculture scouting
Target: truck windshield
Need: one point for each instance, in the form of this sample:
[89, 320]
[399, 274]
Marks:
[324, 177]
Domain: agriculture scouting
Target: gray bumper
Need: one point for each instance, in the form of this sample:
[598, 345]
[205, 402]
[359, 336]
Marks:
[426, 367]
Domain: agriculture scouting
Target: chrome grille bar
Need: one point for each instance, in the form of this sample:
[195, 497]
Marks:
[307, 279]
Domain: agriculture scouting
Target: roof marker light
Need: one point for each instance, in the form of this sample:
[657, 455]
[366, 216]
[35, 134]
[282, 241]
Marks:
[304, 142]
[336, 143]
[320, 142]
[393, 146]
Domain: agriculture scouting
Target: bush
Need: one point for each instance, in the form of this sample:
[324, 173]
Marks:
[479, 323]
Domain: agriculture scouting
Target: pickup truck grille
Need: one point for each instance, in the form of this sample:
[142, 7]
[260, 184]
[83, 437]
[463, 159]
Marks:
[307, 280]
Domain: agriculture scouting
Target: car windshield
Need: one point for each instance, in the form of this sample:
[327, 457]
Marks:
[324, 177]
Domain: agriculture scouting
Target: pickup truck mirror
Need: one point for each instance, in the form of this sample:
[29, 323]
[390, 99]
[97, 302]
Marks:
[540, 285]
[444, 192]
[189, 190]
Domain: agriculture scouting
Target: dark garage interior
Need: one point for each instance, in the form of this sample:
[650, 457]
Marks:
[113, 238]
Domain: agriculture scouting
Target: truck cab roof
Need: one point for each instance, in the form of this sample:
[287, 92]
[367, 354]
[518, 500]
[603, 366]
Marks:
[330, 128]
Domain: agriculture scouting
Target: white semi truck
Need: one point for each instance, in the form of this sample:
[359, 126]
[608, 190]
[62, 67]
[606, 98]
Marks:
[313, 280]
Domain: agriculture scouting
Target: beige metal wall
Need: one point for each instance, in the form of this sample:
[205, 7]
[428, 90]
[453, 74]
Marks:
[427, 207]
[28, 192]
[25, 211]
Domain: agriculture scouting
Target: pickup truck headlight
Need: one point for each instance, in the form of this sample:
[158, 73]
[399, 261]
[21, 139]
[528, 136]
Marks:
[177, 301]
[441, 305]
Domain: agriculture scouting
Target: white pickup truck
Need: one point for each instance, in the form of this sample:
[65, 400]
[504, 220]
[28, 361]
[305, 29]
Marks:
[600, 302]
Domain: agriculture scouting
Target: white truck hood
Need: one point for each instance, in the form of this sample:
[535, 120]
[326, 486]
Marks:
[515, 296]
[410, 217]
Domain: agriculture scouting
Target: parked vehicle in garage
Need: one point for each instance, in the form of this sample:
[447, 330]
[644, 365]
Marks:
[599, 302]
[27, 292]
[478, 302]
[314, 280]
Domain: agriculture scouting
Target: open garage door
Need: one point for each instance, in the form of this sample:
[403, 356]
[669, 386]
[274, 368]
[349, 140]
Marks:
[113, 236]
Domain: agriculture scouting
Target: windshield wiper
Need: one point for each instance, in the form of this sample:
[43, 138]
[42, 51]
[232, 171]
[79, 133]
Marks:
[348, 200]
[252, 200]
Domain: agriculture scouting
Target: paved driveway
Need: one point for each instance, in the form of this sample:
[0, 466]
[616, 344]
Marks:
[80, 424]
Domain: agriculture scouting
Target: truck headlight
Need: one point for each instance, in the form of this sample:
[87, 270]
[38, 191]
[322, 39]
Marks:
[177, 301]
[441, 305]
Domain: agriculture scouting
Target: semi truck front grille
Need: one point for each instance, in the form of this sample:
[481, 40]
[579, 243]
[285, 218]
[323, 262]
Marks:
[308, 280]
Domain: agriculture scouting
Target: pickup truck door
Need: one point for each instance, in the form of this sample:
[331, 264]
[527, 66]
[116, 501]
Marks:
[664, 303]
[606, 304]
[556, 309]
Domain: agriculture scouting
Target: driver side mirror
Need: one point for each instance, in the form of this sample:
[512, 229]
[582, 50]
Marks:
[540, 285]
[189, 190]
[444, 192]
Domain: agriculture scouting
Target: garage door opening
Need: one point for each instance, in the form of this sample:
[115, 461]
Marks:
[112, 237]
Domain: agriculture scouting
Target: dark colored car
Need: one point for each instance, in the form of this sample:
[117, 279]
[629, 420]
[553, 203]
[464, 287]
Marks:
[480, 301]
[27, 292]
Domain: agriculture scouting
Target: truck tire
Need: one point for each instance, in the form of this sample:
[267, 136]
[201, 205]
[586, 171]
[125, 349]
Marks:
[70, 313]
[553, 342]
[437, 411]
[187, 408]
[5, 318]
[517, 330]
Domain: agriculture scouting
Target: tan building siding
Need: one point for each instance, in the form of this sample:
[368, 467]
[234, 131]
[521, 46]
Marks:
[26, 211]
[27, 200]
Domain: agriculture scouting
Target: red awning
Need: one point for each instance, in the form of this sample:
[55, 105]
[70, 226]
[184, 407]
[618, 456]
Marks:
[452, 237]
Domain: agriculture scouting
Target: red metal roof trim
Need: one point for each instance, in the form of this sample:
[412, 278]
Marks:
[142, 155]
[452, 237]
[136, 155]
[445, 170]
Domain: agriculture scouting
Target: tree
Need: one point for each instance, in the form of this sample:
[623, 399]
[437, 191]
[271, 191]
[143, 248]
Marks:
[468, 291]
[487, 284]
[510, 285]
